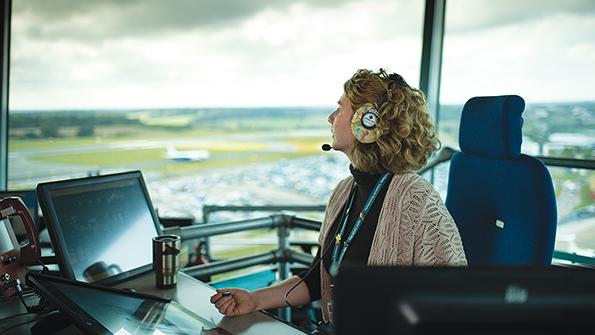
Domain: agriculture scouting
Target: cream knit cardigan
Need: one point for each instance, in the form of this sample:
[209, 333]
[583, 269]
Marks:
[414, 228]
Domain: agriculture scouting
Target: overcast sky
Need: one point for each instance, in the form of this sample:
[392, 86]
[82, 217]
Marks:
[69, 54]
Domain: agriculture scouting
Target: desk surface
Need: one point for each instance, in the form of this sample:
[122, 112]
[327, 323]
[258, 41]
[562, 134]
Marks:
[190, 293]
[194, 295]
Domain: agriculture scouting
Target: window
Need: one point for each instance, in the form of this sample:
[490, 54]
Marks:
[544, 52]
[217, 102]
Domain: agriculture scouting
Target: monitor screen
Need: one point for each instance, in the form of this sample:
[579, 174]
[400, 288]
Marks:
[439, 300]
[100, 310]
[101, 227]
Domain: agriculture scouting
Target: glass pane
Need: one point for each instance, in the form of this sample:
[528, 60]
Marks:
[544, 52]
[217, 102]
[575, 191]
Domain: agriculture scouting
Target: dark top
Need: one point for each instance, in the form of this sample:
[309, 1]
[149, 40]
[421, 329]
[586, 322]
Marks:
[359, 250]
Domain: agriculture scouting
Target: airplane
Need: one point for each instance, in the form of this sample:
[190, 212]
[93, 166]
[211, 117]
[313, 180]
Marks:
[186, 155]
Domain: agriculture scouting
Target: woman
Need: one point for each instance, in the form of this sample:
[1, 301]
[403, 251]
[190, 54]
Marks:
[384, 214]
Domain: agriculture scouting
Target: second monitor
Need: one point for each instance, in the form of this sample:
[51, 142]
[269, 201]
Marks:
[101, 227]
[457, 300]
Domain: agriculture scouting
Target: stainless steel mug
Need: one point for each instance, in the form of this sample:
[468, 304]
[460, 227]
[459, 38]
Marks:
[165, 260]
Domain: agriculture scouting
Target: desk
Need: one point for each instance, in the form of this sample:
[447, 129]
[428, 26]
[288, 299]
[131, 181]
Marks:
[190, 293]
[194, 295]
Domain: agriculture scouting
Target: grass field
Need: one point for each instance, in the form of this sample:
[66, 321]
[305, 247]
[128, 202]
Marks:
[223, 153]
[109, 135]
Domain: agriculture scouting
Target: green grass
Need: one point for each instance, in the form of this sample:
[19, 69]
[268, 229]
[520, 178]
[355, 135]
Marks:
[256, 158]
[164, 121]
[227, 146]
[308, 144]
[222, 154]
[18, 145]
[104, 158]
[109, 135]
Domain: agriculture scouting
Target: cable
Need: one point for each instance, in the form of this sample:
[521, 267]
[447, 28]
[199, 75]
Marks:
[30, 309]
[44, 268]
[285, 297]
[43, 304]
[19, 291]
[319, 259]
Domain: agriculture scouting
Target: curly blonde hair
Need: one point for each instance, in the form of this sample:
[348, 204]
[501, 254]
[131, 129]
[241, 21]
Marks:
[408, 134]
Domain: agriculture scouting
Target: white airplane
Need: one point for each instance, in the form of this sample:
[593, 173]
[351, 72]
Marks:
[186, 155]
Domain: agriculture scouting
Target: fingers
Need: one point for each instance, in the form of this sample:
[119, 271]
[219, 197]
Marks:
[216, 297]
[222, 301]
[227, 308]
[220, 293]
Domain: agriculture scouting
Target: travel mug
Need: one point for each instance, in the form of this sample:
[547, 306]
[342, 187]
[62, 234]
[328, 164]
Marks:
[165, 260]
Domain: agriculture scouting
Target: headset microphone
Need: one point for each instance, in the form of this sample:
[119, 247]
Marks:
[326, 147]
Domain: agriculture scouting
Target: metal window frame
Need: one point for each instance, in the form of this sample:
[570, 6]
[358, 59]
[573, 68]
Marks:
[431, 55]
[5, 12]
[431, 58]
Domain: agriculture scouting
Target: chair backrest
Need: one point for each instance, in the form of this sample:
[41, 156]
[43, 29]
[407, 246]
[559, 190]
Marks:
[502, 201]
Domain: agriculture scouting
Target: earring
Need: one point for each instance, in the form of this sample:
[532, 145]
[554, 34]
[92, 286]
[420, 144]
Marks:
[363, 124]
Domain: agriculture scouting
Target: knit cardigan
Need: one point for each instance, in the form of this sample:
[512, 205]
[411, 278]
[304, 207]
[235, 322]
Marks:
[414, 228]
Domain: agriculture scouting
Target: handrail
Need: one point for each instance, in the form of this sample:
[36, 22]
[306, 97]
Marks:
[305, 224]
[214, 268]
[574, 258]
[446, 153]
[300, 257]
[587, 164]
[274, 256]
[212, 229]
[208, 209]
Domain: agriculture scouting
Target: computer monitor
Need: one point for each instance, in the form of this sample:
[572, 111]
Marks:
[101, 227]
[440, 300]
[102, 310]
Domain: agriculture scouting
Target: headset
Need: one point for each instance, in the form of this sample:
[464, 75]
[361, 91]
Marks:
[364, 124]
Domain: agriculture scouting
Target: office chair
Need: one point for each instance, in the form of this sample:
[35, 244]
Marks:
[502, 201]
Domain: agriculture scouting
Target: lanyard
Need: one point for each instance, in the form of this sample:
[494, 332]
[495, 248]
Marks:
[341, 248]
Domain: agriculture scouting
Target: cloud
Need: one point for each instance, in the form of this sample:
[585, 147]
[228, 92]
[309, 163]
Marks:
[550, 59]
[464, 16]
[298, 53]
[185, 53]
[90, 21]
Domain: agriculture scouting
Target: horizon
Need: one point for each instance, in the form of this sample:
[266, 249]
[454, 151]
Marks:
[114, 109]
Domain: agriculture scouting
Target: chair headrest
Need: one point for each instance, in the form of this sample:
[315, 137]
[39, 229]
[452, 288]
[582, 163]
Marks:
[491, 126]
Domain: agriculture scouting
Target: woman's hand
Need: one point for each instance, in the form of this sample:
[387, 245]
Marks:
[234, 301]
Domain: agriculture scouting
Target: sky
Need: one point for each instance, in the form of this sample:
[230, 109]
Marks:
[71, 54]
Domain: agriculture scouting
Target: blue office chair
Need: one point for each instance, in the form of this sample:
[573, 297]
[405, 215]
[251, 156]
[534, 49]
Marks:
[502, 201]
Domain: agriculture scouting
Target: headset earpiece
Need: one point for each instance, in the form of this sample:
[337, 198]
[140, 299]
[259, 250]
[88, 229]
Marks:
[364, 124]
